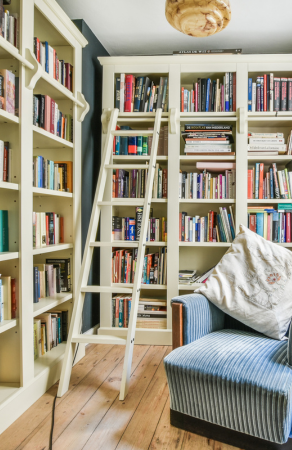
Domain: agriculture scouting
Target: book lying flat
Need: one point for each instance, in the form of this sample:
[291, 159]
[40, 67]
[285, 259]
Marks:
[215, 166]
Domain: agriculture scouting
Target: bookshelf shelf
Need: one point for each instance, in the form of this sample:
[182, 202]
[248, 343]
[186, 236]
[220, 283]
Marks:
[130, 202]
[144, 115]
[7, 51]
[6, 117]
[266, 120]
[204, 244]
[47, 303]
[270, 201]
[44, 139]
[7, 324]
[47, 361]
[206, 200]
[6, 256]
[6, 185]
[51, 248]
[192, 159]
[160, 287]
[208, 116]
[135, 159]
[40, 192]
[132, 244]
[281, 159]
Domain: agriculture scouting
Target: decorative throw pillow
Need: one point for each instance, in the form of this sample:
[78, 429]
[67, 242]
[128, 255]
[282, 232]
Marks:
[253, 284]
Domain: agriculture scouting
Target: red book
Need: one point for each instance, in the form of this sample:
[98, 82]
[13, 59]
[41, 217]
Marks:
[67, 77]
[47, 113]
[117, 184]
[126, 312]
[250, 184]
[52, 126]
[288, 227]
[164, 183]
[193, 98]
[265, 92]
[253, 222]
[38, 50]
[114, 186]
[54, 63]
[13, 298]
[61, 230]
[5, 164]
[182, 100]
[234, 92]
[261, 181]
[129, 82]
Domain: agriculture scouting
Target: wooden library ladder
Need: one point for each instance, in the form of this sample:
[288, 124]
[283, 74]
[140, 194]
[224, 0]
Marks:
[74, 335]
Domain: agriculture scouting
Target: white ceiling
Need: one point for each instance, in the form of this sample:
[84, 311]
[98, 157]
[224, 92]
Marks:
[139, 27]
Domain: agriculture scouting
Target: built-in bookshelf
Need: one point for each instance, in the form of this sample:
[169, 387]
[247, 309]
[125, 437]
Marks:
[184, 71]
[24, 378]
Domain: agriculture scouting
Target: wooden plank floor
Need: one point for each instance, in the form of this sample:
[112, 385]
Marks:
[91, 417]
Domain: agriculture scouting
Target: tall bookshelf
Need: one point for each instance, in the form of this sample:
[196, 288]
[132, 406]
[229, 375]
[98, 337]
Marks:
[22, 379]
[183, 70]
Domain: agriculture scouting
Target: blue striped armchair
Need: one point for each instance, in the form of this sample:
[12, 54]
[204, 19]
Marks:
[226, 381]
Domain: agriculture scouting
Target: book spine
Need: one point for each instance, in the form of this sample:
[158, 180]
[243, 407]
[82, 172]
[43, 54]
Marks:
[249, 93]
[277, 94]
[265, 93]
[283, 94]
[289, 94]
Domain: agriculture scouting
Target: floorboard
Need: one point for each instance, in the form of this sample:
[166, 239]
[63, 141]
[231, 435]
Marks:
[90, 415]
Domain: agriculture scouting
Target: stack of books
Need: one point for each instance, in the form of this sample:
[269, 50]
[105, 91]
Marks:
[4, 234]
[273, 225]
[48, 229]
[272, 184]
[187, 276]
[204, 186]
[5, 162]
[125, 228]
[48, 59]
[208, 139]
[210, 95]
[267, 144]
[269, 93]
[140, 94]
[215, 227]
[154, 267]
[132, 183]
[55, 175]
[151, 312]
[9, 24]
[50, 329]
[7, 298]
[51, 278]
[139, 145]
[46, 115]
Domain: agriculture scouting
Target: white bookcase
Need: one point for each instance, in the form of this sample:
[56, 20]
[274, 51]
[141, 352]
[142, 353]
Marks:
[22, 379]
[182, 70]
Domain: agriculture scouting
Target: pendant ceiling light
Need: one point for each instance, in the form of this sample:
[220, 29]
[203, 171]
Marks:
[198, 18]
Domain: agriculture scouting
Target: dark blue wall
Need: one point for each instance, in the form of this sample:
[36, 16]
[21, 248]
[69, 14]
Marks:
[91, 154]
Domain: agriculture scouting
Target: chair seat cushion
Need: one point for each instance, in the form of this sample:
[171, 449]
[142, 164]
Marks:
[237, 379]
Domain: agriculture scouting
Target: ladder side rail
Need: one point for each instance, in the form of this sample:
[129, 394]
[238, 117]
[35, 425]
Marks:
[140, 260]
[87, 257]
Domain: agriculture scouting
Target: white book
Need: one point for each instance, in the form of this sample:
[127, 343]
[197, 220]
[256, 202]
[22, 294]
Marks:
[157, 230]
[43, 229]
[281, 184]
[6, 299]
[51, 61]
[265, 147]
[122, 92]
[1, 160]
[265, 135]
[224, 224]
[202, 230]
[207, 149]
[223, 187]
[253, 97]
[39, 341]
[6, 25]
[38, 230]
[253, 140]
[11, 29]
[187, 228]
[263, 153]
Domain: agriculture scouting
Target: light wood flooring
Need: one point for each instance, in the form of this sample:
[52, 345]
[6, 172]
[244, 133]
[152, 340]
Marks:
[91, 417]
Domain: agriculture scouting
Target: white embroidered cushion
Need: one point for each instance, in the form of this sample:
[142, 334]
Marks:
[253, 284]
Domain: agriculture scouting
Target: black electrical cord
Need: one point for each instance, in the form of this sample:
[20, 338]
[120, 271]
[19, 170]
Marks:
[53, 408]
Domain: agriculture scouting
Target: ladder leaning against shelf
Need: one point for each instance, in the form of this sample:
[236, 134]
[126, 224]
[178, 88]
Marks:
[75, 326]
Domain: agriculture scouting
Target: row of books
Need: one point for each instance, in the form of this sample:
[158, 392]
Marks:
[140, 145]
[5, 162]
[140, 94]
[272, 184]
[50, 330]
[4, 231]
[204, 186]
[207, 139]
[151, 312]
[210, 95]
[132, 183]
[271, 144]
[46, 115]
[188, 277]
[7, 298]
[215, 227]
[57, 68]
[48, 229]
[51, 278]
[273, 225]
[154, 266]
[55, 175]
[9, 24]
[129, 228]
[9, 92]
[270, 93]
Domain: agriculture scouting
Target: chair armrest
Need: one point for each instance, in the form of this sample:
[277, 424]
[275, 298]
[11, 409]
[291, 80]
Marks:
[193, 317]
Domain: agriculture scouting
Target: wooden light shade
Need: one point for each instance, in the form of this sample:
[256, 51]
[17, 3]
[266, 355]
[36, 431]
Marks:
[198, 18]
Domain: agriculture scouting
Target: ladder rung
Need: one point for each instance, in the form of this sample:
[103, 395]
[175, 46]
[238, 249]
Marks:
[98, 339]
[127, 166]
[132, 133]
[114, 244]
[107, 289]
[123, 202]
